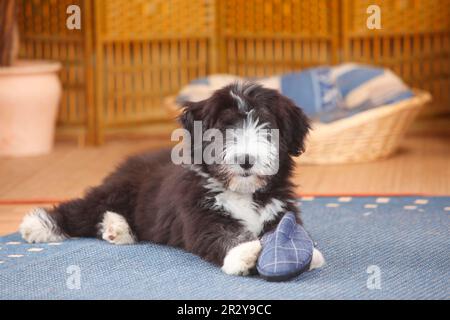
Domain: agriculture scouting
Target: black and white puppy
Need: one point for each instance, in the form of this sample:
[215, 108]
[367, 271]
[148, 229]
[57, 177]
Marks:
[218, 210]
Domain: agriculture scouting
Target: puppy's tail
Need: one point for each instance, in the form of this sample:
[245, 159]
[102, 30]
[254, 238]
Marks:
[70, 219]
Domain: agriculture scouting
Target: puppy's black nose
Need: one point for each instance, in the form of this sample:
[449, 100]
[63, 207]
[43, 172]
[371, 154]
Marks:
[246, 161]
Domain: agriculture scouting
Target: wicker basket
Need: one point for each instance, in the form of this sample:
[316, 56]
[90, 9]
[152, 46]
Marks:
[367, 136]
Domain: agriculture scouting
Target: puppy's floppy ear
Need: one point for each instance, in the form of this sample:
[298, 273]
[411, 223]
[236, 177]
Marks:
[294, 125]
[191, 112]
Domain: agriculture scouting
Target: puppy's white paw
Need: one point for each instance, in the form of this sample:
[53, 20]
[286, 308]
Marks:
[242, 258]
[39, 226]
[317, 260]
[115, 229]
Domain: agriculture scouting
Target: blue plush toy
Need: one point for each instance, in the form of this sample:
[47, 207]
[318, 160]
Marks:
[287, 251]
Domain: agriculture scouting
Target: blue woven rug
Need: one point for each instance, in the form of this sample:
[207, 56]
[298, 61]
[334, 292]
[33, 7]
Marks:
[394, 248]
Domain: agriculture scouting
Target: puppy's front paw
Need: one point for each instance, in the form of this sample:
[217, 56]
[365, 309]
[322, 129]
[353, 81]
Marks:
[115, 229]
[242, 258]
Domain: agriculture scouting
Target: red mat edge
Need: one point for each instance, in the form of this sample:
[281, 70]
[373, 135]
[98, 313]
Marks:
[5, 202]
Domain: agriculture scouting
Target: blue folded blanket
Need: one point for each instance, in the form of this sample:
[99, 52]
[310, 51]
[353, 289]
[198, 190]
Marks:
[325, 94]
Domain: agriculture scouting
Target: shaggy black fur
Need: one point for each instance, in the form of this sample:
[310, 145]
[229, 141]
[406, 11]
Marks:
[165, 203]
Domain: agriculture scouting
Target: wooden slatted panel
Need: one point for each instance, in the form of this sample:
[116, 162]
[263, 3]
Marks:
[403, 16]
[138, 75]
[148, 50]
[144, 19]
[264, 37]
[44, 35]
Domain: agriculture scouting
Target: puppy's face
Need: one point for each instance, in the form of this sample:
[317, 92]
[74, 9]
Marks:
[260, 130]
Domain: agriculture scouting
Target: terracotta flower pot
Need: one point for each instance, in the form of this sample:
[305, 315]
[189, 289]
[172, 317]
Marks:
[29, 96]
